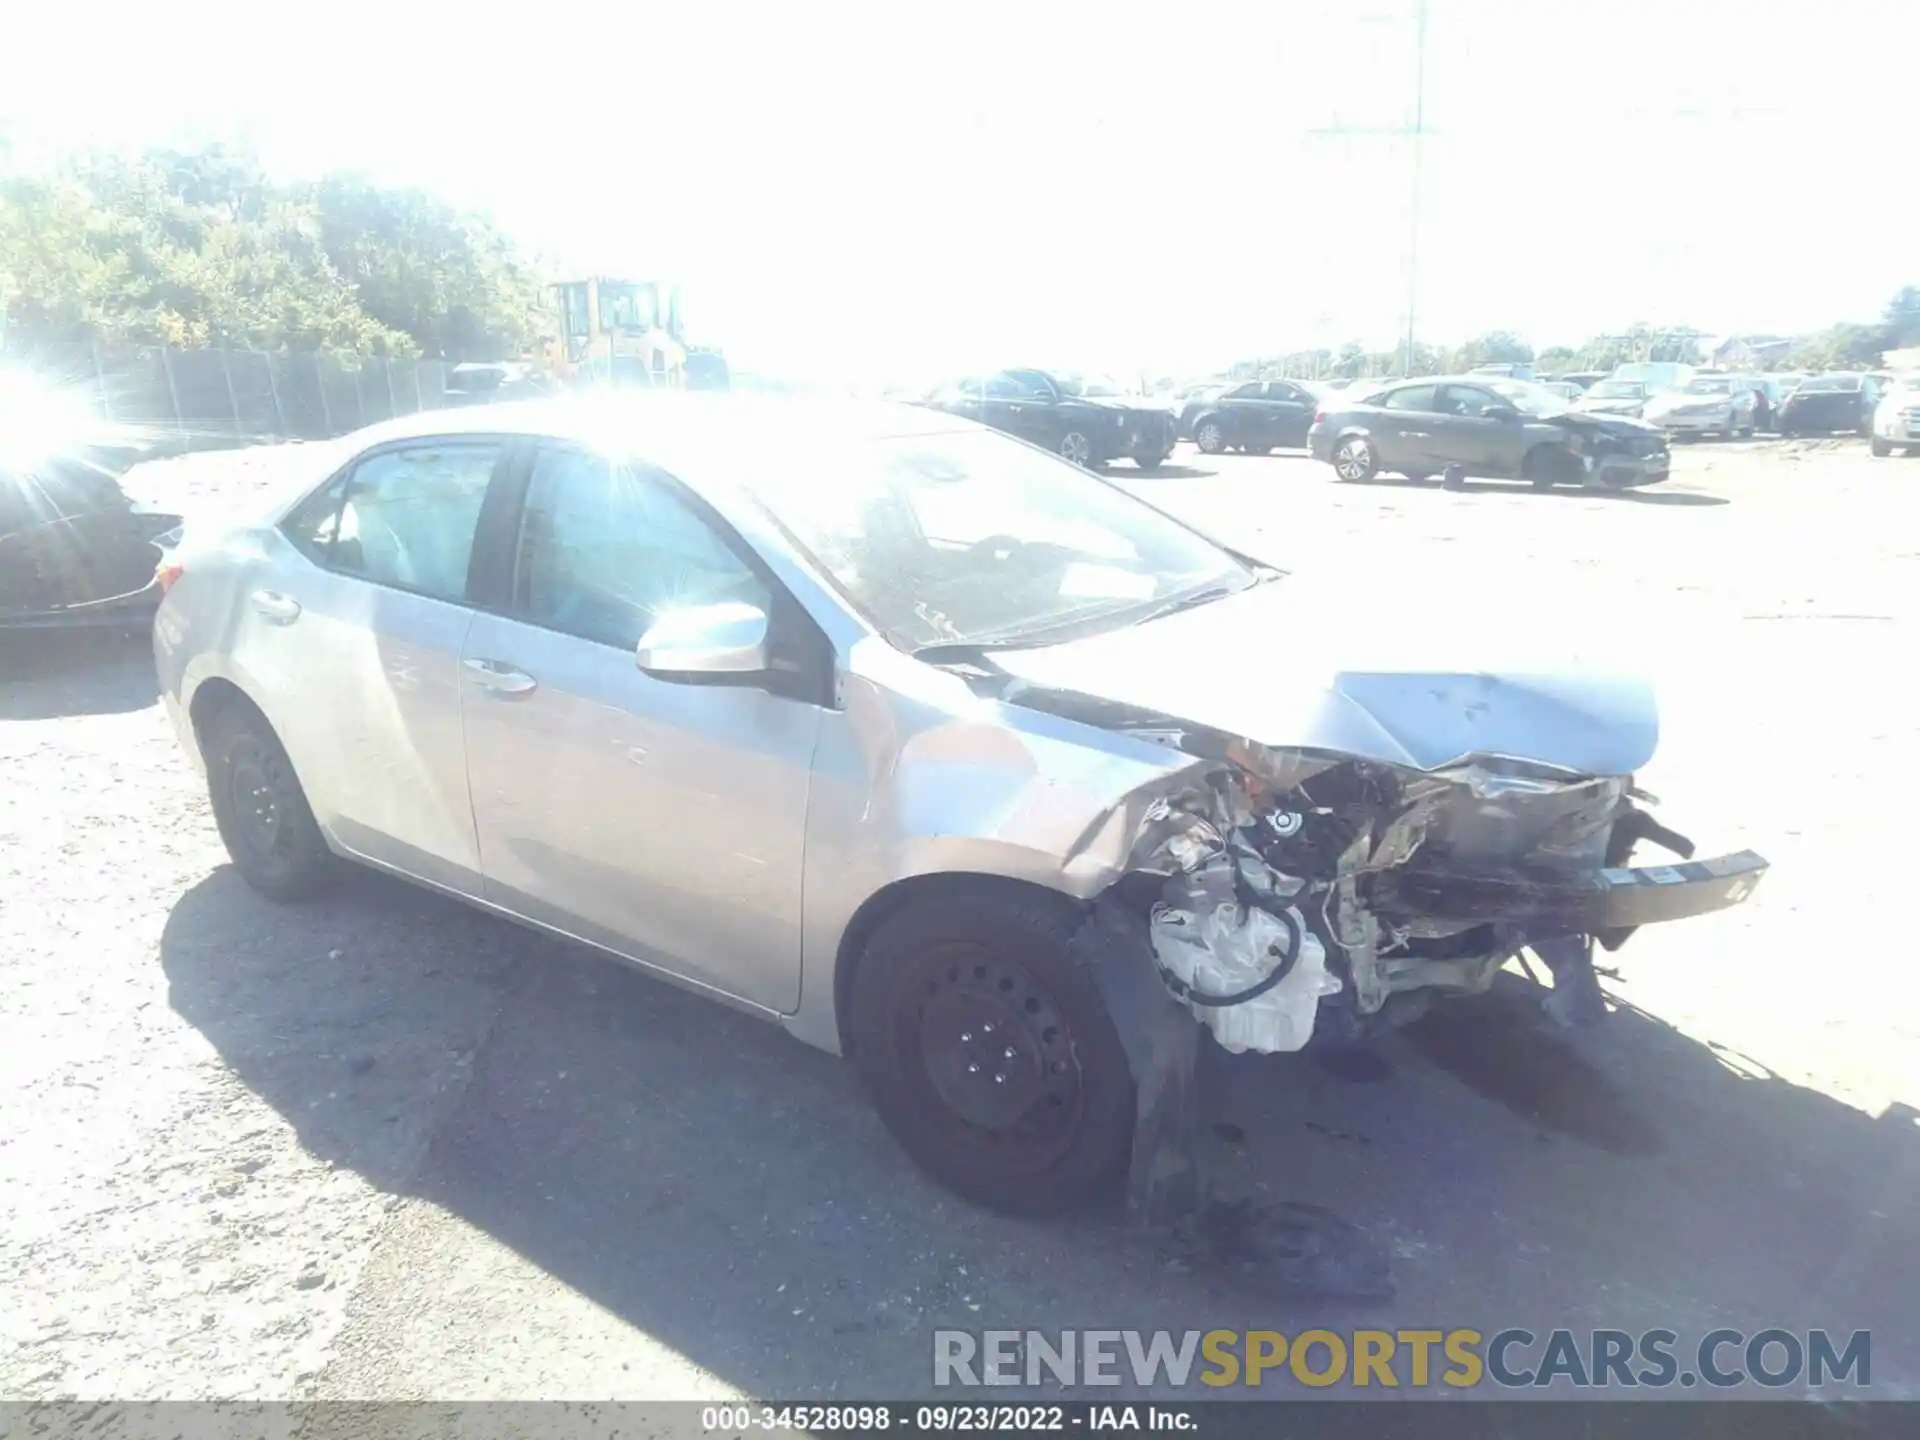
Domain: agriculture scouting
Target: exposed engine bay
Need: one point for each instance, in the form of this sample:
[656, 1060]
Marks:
[1290, 894]
[1303, 895]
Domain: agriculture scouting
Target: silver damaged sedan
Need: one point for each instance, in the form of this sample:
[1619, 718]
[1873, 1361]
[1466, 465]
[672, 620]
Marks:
[902, 733]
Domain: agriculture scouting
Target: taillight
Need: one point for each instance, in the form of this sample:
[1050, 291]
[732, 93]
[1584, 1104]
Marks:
[1319, 414]
[166, 572]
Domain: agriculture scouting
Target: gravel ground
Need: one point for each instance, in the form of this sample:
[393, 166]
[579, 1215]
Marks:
[384, 1147]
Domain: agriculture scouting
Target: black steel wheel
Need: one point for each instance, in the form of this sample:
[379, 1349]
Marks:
[261, 811]
[989, 1052]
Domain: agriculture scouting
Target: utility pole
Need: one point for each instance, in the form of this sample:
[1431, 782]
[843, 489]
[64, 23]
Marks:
[1414, 131]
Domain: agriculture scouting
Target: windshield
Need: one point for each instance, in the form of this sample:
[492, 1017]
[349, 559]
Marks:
[1090, 385]
[1618, 390]
[1829, 384]
[1525, 396]
[1709, 385]
[971, 538]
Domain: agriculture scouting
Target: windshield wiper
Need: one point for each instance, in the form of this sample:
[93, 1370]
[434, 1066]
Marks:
[952, 652]
[1190, 602]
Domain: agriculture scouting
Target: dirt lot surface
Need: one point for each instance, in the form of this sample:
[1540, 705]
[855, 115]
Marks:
[384, 1147]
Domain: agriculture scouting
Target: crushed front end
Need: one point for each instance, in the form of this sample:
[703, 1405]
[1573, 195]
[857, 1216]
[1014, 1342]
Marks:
[1290, 895]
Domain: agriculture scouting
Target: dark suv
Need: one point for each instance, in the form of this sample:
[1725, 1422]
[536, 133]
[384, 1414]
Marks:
[1087, 420]
[1255, 417]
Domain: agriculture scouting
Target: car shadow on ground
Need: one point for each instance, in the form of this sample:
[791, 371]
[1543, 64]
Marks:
[47, 674]
[730, 1193]
[1661, 496]
[1169, 471]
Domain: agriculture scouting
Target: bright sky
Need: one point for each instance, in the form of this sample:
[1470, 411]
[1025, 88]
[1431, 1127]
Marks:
[902, 190]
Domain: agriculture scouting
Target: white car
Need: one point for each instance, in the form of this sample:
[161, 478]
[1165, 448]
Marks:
[1896, 419]
[1705, 405]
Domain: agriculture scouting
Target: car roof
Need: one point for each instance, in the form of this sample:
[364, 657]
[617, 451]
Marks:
[653, 422]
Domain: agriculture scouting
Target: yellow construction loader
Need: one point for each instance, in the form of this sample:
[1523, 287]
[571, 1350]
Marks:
[630, 332]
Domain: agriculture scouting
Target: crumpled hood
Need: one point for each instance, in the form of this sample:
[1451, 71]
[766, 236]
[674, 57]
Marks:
[1288, 665]
[1608, 406]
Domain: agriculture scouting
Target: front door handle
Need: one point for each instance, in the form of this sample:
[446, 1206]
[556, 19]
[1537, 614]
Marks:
[499, 678]
[276, 608]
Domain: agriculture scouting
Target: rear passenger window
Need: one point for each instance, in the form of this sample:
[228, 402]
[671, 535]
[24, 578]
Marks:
[1409, 397]
[403, 517]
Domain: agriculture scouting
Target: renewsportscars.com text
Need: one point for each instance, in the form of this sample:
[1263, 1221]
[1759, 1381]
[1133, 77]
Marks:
[1457, 1358]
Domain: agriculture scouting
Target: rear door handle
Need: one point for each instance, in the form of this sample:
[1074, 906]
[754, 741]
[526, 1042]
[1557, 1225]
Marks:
[499, 678]
[276, 608]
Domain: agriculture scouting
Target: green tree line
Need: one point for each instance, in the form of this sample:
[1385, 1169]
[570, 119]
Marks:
[200, 248]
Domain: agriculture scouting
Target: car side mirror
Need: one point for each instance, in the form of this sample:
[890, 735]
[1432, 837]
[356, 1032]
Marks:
[724, 639]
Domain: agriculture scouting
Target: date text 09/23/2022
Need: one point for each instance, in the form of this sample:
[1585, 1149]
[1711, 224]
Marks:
[964, 1418]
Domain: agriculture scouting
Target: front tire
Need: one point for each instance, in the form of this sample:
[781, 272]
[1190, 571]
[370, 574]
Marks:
[1210, 436]
[1880, 448]
[1077, 447]
[262, 812]
[1544, 468]
[989, 1052]
[1354, 460]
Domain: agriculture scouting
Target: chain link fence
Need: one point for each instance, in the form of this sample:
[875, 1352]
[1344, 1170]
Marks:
[198, 398]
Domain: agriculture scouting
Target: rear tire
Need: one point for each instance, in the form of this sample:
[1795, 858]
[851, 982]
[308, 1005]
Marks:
[1076, 446]
[1354, 460]
[962, 988]
[1879, 447]
[1149, 462]
[261, 810]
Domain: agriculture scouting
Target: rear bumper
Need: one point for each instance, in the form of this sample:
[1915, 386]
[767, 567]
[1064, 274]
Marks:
[119, 613]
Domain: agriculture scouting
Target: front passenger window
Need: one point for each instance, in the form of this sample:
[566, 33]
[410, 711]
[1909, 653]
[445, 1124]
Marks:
[607, 549]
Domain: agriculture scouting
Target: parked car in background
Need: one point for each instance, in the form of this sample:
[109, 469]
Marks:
[1486, 426]
[488, 382]
[884, 728]
[1565, 389]
[1256, 416]
[1776, 387]
[1087, 419]
[1896, 419]
[74, 549]
[1656, 375]
[1828, 404]
[1706, 405]
[1585, 379]
[1613, 397]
